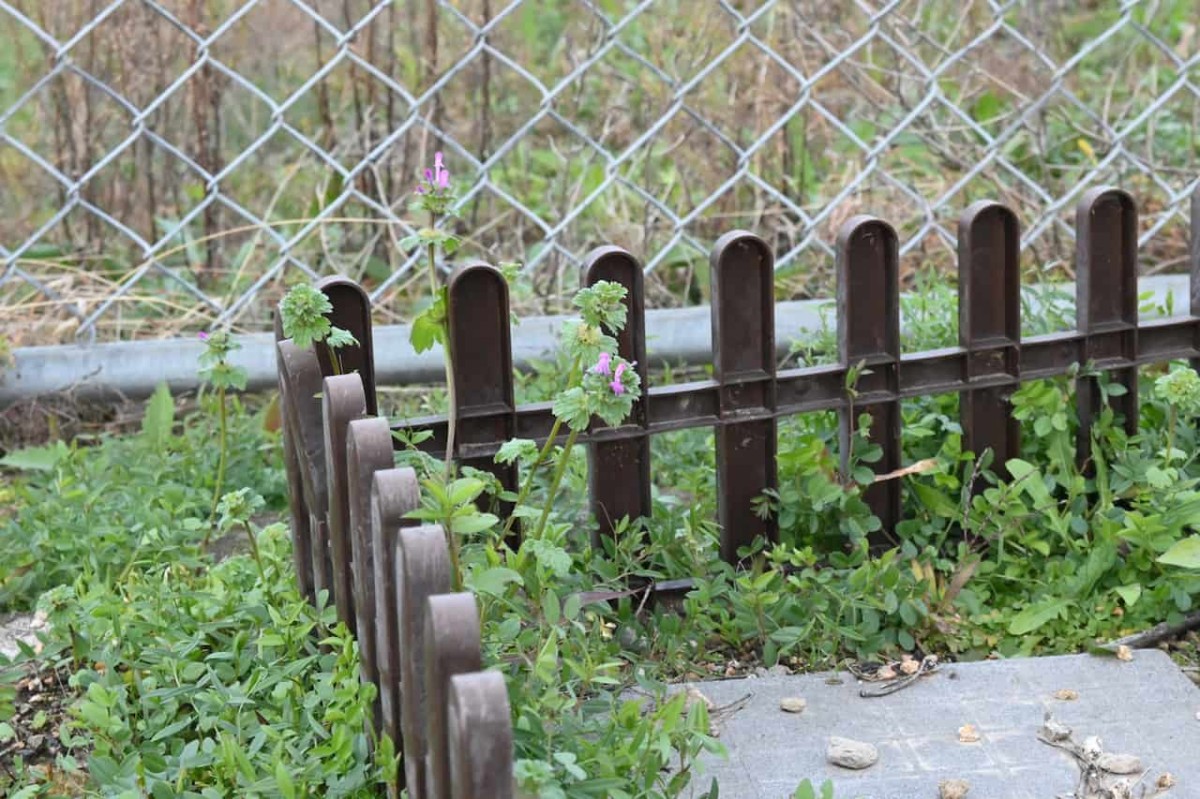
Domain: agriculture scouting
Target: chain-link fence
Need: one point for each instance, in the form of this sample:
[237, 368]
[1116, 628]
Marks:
[168, 165]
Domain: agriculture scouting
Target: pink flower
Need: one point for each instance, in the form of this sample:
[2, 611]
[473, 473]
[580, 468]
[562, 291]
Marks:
[203, 336]
[616, 385]
[441, 174]
[603, 366]
[435, 180]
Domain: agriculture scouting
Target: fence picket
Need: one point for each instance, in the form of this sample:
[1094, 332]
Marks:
[480, 339]
[422, 570]
[868, 302]
[368, 450]
[1194, 269]
[302, 406]
[342, 401]
[989, 328]
[452, 646]
[480, 737]
[352, 313]
[1106, 305]
[619, 466]
[302, 533]
[394, 492]
[743, 328]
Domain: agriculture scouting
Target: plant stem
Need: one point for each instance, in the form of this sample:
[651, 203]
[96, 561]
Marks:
[262, 572]
[542, 455]
[456, 578]
[452, 412]
[1171, 435]
[527, 486]
[564, 459]
[220, 460]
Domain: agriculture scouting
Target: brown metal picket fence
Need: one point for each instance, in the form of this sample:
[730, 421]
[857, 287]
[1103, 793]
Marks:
[391, 582]
[421, 646]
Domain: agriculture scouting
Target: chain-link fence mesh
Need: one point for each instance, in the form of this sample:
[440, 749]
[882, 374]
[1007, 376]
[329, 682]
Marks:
[168, 165]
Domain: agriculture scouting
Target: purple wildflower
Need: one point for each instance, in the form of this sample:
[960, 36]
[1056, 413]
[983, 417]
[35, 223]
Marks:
[435, 181]
[603, 366]
[441, 174]
[203, 336]
[616, 385]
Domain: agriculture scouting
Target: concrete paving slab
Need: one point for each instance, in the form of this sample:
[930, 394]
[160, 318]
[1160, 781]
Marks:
[1146, 707]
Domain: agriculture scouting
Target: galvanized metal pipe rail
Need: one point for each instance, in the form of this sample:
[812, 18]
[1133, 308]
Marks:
[674, 336]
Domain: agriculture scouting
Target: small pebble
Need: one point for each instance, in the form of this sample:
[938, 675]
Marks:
[695, 696]
[953, 789]
[1066, 695]
[793, 704]
[627, 637]
[967, 734]
[1121, 789]
[851, 754]
[1055, 730]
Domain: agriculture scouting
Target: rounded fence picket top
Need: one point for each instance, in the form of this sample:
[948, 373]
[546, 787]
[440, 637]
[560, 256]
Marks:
[480, 737]
[352, 313]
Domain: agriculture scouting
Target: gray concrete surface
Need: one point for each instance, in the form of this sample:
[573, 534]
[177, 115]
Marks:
[1146, 707]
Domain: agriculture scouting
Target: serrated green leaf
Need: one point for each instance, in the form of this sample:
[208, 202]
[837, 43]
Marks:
[159, 420]
[38, 459]
[339, 338]
[517, 449]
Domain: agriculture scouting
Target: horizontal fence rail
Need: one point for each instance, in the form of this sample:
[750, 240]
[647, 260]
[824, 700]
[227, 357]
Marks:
[170, 165]
[390, 580]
